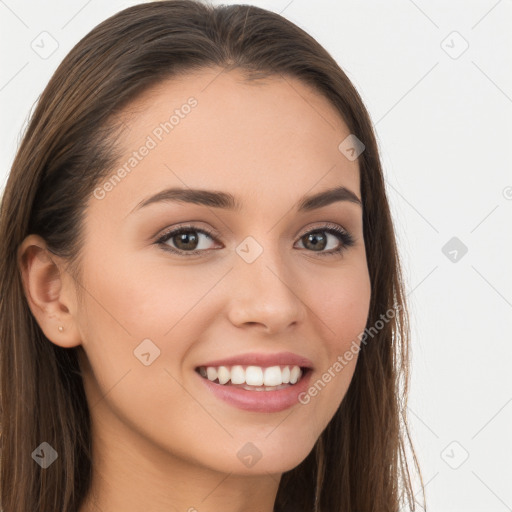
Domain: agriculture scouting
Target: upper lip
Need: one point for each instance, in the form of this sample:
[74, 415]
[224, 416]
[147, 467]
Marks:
[261, 359]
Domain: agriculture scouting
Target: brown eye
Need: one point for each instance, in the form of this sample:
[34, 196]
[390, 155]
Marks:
[186, 239]
[317, 241]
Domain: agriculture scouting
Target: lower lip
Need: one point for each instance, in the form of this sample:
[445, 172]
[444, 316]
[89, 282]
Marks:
[260, 401]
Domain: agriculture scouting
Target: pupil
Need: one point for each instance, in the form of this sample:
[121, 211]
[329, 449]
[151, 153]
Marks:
[184, 238]
[312, 238]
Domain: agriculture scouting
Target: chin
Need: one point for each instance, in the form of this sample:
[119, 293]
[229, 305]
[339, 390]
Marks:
[264, 457]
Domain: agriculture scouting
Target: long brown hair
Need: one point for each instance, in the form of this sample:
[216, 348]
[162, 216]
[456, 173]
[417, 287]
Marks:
[359, 463]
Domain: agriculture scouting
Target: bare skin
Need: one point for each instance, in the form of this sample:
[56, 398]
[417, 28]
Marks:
[162, 441]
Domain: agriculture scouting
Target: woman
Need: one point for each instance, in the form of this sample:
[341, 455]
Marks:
[203, 307]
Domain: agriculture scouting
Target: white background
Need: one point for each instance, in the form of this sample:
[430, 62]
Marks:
[443, 123]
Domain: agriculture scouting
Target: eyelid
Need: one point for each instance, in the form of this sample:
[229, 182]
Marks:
[323, 225]
[192, 225]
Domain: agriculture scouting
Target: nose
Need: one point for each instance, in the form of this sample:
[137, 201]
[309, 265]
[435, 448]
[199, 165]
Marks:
[265, 293]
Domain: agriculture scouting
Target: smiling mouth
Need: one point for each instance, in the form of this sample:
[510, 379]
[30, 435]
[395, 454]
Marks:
[254, 378]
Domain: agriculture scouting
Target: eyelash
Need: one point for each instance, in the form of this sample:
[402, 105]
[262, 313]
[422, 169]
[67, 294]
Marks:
[344, 236]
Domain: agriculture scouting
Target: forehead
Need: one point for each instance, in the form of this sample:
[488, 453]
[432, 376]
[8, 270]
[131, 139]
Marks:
[274, 137]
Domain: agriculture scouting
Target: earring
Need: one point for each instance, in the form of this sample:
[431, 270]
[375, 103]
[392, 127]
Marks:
[61, 328]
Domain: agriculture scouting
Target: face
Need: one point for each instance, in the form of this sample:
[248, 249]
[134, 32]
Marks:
[262, 284]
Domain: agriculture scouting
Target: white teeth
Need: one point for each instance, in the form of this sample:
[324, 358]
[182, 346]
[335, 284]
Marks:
[237, 375]
[272, 377]
[254, 376]
[223, 374]
[294, 374]
[211, 373]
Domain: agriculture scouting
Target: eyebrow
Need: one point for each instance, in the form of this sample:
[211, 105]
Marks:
[227, 201]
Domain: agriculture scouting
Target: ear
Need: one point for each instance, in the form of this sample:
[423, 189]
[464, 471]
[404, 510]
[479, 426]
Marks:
[50, 292]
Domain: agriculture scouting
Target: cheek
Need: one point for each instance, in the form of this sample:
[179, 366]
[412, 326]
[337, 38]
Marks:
[126, 304]
[342, 303]
[140, 299]
[341, 306]
[346, 314]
